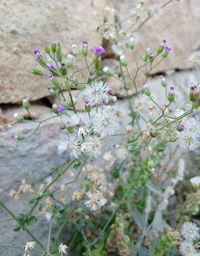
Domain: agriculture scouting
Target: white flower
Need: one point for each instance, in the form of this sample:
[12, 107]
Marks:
[188, 249]
[83, 131]
[109, 158]
[195, 181]
[28, 247]
[74, 120]
[117, 49]
[190, 231]
[181, 169]
[95, 200]
[96, 93]
[146, 107]
[106, 121]
[92, 146]
[191, 134]
[106, 69]
[15, 115]
[122, 153]
[48, 216]
[63, 249]
[71, 145]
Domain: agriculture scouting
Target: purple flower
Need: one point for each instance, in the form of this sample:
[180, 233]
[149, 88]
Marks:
[166, 47]
[60, 108]
[36, 52]
[181, 127]
[51, 67]
[51, 77]
[98, 50]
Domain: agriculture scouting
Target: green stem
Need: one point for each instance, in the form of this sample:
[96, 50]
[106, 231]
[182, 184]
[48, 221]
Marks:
[72, 101]
[50, 184]
[25, 229]
[49, 237]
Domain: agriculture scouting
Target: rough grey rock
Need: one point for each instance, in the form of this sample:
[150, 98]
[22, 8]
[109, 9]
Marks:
[177, 23]
[34, 24]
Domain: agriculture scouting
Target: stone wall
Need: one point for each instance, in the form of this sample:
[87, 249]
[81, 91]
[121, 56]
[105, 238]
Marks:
[28, 24]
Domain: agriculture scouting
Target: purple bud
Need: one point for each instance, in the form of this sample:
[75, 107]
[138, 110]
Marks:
[36, 52]
[51, 66]
[194, 94]
[87, 106]
[87, 102]
[62, 64]
[171, 94]
[98, 50]
[85, 44]
[181, 127]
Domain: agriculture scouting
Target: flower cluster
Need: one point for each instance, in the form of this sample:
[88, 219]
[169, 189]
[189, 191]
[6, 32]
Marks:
[190, 233]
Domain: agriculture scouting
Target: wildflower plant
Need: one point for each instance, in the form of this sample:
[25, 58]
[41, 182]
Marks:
[120, 192]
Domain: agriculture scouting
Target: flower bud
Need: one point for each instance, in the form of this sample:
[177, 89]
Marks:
[180, 127]
[55, 108]
[51, 77]
[123, 60]
[53, 47]
[163, 82]
[171, 94]
[87, 106]
[36, 52]
[54, 72]
[55, 85]
[63, 69]
[148, 57]
[131, 43]
[41, 60]
[85, 48]
[18, 117]
[97, 63]
[194, 94]
[25, 103]
[107, 71]
[147, 90]
[36, 71]
[70, 59]
[74, 49]
[58, 52]
[47, 50]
